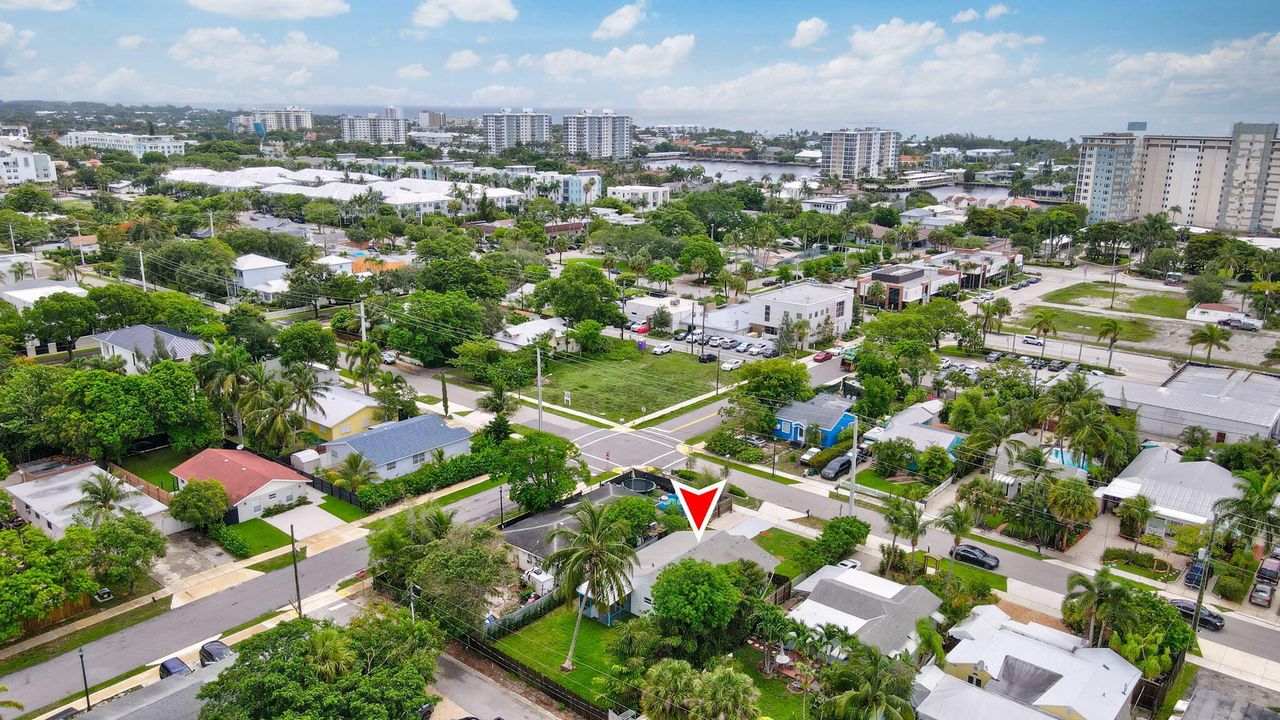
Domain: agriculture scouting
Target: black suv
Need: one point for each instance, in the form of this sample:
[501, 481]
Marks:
[1208, 618]
[975, 555]
[837, 467]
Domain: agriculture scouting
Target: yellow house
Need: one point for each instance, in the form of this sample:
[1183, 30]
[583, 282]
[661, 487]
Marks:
[342, 412]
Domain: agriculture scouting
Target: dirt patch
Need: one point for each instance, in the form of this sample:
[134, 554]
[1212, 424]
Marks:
[187, 553]
[1025, 614]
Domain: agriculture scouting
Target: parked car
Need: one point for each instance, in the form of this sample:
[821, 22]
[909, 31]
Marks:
[730, 344]
[771, 353]
[770, 282]
[681, 335]
[808, 455]
[1073, 367]
[837, 467]
[822, 356]
[661, 349]
[1097, 373]
[1056, 365]
[1032, 340]
[1208, 618]
[1269, 571]
[757, 349]
[1033, 279]
[714, 341]
[731, 364]
[642, 329]
[213, 651]
[1262, 594]
[389, 357]
[994, 356]
[975, 555]
[752, 440]
[850, 564]
[631, 325]
[707, 358]
[1196, 574]
[173, 666]
[745, 347]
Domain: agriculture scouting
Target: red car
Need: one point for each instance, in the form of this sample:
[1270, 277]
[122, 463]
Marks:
[822, 356]
[642, 329]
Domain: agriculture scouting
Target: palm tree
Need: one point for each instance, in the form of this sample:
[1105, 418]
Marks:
[9, 704]
[329, 654]
[100, 495]
[725, 693]
[1146, 652]
[668, 685]
[18, 271]
[1135, 512]
[1109, 329]
[498, 401]
[274, 418]
[363, 361]
[354, 472]
[307, 386]
[1072, 502]
[1100, 596]
[984, 495]
[913, 526]
[956, 520]
[1043, 324]
[67, 265]
[1087, 425]
[1194, 436]
[1255, 505]
[1211, 336]
[894, 510]
[597, 553]
[223, 374]
[875, 696]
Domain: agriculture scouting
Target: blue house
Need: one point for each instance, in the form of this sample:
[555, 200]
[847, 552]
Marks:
[831, 413]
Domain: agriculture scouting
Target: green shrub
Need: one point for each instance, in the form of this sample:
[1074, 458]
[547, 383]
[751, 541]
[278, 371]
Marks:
[822, 458]
[1152, 541]
[1231, 588]
[231, 541]
[735, 490]
[839, 538]
[1144, 560]
[724, 443]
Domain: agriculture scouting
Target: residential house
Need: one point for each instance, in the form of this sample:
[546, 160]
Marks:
[829, 413]
[641, 196]
[142, 345]
[1215, 313]
[933, 217]
[514, 337]
[1001, 668]
[399, 448]
[878, 611]
[253, 483]
[24, 293]
[1181, 493]
[1231, 404]
[831, 205]
[1061, 464]
[44, 501]
[918, 424]
[529, 537]
[342, 412]
[812, 302]
[83, 243]
[338, 264]
[258, 273]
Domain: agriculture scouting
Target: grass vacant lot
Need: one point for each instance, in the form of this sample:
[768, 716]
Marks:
[544, 644]
[260, 535]
[466, 492]
[71, 641]
[280, 561]
[1071, 324]
[626, 383]
[791, 549]
[745, 468]
[154, 466]
[775, 700]
[874, 480]
[1144, 302]
[342, 509]
[1005, 546]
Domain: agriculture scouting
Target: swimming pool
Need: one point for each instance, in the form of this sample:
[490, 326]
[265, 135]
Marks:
[1067, 458]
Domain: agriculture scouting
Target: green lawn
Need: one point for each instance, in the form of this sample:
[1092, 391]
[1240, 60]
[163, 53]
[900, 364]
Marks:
[626, 383]
[874, 480]
[280, 561]
[544, 643]
[1161, 304]
[1181, 685]
[466, 492]
[745, 468]
[1005, 546]
[788, 547]
[79, 638]
[154, 466]
[260, 535]
[775, 700]
[1070, 324]
[342, 509]
[597, 262]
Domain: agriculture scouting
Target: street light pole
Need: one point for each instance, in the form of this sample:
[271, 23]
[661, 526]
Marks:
[853, 472]
[84, 675]
[1205, 563]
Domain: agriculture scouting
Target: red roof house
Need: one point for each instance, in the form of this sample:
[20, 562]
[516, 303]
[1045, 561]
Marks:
[252, 482]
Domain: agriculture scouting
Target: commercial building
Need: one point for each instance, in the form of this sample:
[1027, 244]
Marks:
[976, 267]
[1181, 493]
[859, 153]
[18, 131]
[943, 158]
[398, 448]
[505, 129]
[642, 307]
[603, 135]
[431, 120]
[44, 501]
[138, 145]
[264, 121]
[812, 302]
[24, 293]
[641, 196]
[582, 187]
[878, 611]
[22, 166]
[907, 283]
[386, 129]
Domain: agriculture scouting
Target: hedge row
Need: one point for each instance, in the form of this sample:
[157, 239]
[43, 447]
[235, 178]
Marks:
[724, 443]
[428, 478]
[820, 460]
[230, 540]
[1231, 588]
[1137, 558]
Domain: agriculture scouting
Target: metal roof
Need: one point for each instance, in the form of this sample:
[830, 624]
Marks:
[823, 410]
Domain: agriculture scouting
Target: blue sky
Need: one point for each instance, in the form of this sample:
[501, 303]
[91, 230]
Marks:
[1015, 68]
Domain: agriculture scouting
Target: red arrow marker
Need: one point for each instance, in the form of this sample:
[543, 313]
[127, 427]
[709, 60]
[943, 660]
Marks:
[697, 504]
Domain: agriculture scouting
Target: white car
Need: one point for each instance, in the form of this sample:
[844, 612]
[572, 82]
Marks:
[731, 365]
[662, 349]
[944, 364]
[850, 564]
[389, 357]
[714, 341]
[1032, 340]
[757, 349]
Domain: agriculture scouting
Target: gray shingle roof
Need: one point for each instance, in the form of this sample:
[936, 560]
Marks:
[890, 622]
[823, 410]
[141, 340]
[397, 440]
[530, 534]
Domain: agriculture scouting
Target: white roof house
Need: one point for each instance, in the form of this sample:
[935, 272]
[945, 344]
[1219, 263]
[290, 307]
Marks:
[1033, 666]
[43, 502]
[1181, 493]
[24, 293]
[879, 611]
[518, 336]
[337, 405]
[915, 424]
[338, 264]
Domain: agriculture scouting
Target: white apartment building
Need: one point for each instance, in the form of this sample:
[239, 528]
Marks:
[861, 152]
[808, 301]
[431, 120]
[505, 128]
[1105, 174]
[138, 145]
[603, 135]
[641, 196]
[21, 166]
[1252, 178]
[289, 119]
[389, 128]
[674, 131]
[906, 284]
[1182, 171]
[14, 131]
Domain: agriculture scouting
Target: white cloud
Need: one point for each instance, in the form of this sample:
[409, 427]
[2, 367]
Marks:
[130, 42]
[232, 56]
[14, 44]
[500, 64]
[966, 15]
[301, 76]
[500, 95]
[635, 61]
[434, 13]
[808, 32]
[462, 60]
[996, 11]
[46, 5]
[620, 21]
[896, 38]
[273, 9]
[413, 72]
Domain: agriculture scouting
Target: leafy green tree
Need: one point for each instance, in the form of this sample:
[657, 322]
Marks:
[354, 472]
[878, 396]
[308, 285]
[694, 601]
[435, 324]
[635, 513]
[1204, 289]
[1146, 651]
[308, 342]
[935, 464]
[61, 318]
[590, 337]
[1134, 514]
[126, 546]
[840, 537]
[122, 305]
[464, 275]
[38, 575]
[102, 414]
[178, 310]
[541, 470]
[581, 292]
[200, 502]
[455, 575]
[248, 325]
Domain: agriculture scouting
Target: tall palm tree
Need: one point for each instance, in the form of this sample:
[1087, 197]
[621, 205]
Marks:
[68, 265]
[1211, 336]
[1109, 329]
[307, 386]
[498, 401]
[1100, 596]
[596, 552]
[725, 693]
[1072, 502]
[875, 696]
[1135, 512]
[9, 704]
[668, 686]
[956, 520]
[222, 373]
[274, 418]
[354, 472]
[1042, 324]
[1255, 506]
[363, 361]
[100, 495]
[913, 526]
[894, 509]
[18, 271]
[1087, 427]
[329, 654]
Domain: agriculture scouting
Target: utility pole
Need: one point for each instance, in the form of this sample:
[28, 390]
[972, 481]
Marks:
[538, 351]
[1206, 561]
[362, 331]
[13, 244]
[297, 586]
[1115, 247]
[142, 266]
[853, 471]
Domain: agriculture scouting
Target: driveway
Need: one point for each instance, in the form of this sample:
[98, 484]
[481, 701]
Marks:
[187, 553]
[1215, 696]
[307, 520]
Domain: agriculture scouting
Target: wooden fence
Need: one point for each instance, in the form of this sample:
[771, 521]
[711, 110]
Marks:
[147, 488]
[68, 609]
[535, 679]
